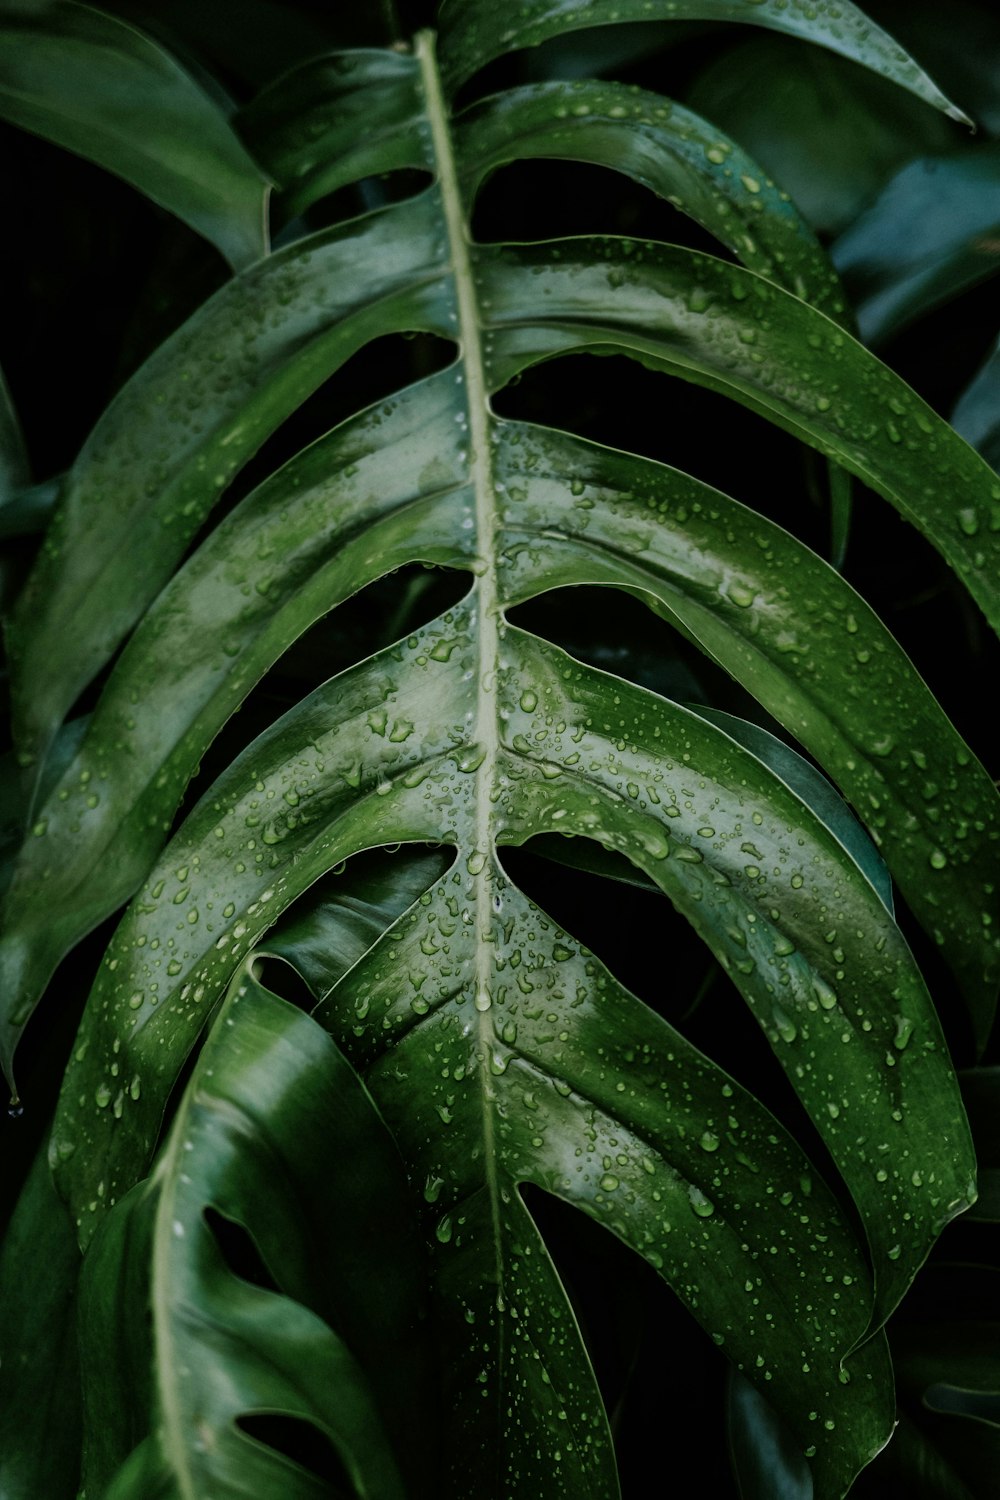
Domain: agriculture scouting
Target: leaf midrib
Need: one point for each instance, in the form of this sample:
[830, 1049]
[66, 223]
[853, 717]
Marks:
[486, 618]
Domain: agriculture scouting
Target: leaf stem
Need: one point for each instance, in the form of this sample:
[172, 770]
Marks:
[486, 615]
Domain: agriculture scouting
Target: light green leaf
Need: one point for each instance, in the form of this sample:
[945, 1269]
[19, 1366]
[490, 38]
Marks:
[476, 31]
[82, 78]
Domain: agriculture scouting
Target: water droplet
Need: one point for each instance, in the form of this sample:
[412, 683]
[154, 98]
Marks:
[786, 1027]
[470, 759]
[904, 1030]
[609, 1182]
[703, 1207]
[824, 993]
[741, 595]
[444, 1229]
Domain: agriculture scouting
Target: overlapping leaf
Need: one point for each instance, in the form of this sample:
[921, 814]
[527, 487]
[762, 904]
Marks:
[82, 78]
[276, 1136]
[932, 232]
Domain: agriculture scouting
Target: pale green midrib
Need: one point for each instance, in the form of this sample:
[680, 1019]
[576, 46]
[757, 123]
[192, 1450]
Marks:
[486, 730]
[175, 1448]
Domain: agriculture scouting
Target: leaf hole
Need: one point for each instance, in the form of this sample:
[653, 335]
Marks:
[629, 1317]
[374, 617]
[377, 370]
[365, 196]
[548, 199]
[238, 1249]
[614, 400]
[303, 1443]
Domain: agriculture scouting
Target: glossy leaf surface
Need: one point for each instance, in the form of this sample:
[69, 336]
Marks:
[274, 1136]
[473, 34]
[499, 1050]
[666, 148]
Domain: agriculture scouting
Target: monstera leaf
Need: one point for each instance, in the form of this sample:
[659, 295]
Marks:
[494, 1047]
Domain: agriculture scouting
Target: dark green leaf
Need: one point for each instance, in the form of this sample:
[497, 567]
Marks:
[814, 789]
[977, 413]
[829, 133]
[276, 1136]
[932, 232]
[476, 31]
[730, 330]
[664, 147]
[497, 1049]
[82, 78]
[337, 119]
[39, 1364]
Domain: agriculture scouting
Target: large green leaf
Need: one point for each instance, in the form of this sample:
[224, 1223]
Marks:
[274, 1135]
[240, 859]
[498, 1049]
[83, 79]
[577, 513]
[745, 337]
